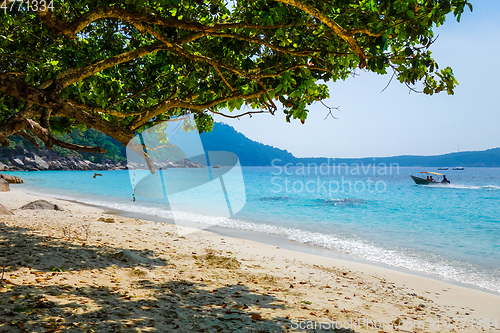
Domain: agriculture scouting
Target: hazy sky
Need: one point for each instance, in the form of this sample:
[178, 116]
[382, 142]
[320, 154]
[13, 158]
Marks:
[375, 123]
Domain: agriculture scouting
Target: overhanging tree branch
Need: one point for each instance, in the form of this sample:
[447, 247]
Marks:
[24, 91]
[352, 32]
[340, 31]
[106, 111]
[125, 99]
[16, 122]
[176, 103]
[28, 137]
[248, 113]
[80, 74]
[49, 140]
[71, 29]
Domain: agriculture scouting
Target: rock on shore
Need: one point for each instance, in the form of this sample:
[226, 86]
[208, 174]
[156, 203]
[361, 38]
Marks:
[4, 185]
[11, 179]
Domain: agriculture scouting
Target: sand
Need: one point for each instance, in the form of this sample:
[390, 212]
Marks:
[82, 270]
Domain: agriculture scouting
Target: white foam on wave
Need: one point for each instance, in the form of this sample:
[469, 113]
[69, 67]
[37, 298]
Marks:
[102, 202]
[464, 272]
[471, 187]
[393, 256]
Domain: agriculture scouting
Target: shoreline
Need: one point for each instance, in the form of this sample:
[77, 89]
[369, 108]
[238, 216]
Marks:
[283, 242]
[303, 287]
[294, 246]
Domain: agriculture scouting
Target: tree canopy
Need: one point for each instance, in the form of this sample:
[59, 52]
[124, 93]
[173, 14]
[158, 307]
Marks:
[123, 66]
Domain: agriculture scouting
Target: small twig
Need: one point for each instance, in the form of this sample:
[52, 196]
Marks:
[330, 109]
[86, 231]
[3, 272]
[239, 115]
[15, 73]
[67, 233]
[129, 97]
[393, 74]
[412, 89]
[81, 232]
[223, 78]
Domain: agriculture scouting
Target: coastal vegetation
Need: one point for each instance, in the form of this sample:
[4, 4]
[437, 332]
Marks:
[122, 67]
[115, 152]
[21, 154]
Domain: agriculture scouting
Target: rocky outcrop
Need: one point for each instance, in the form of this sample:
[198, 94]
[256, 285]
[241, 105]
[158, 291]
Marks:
[185, 163]
[20, 159]
[17, 162]
[128, 257]
[35, 161]
[4, 186]
[11, 179]
[41, 205]
[74, 163]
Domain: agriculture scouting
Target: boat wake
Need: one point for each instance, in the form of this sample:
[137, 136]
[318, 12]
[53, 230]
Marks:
[471, 187]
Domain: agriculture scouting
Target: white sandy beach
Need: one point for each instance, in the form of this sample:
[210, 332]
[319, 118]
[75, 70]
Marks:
[83, 270]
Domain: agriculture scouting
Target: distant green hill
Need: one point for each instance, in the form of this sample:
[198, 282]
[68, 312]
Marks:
[252, 153]
[485, 158]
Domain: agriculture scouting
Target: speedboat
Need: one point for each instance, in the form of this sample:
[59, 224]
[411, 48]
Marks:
[429, 180]
[458, 168]
[442, 168]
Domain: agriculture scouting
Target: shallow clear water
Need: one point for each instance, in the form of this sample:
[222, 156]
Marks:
[377, 214]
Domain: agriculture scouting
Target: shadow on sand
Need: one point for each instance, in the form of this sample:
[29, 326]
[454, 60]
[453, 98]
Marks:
[172, 306]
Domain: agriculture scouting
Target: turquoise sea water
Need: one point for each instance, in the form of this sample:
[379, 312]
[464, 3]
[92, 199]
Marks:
[377, 214]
